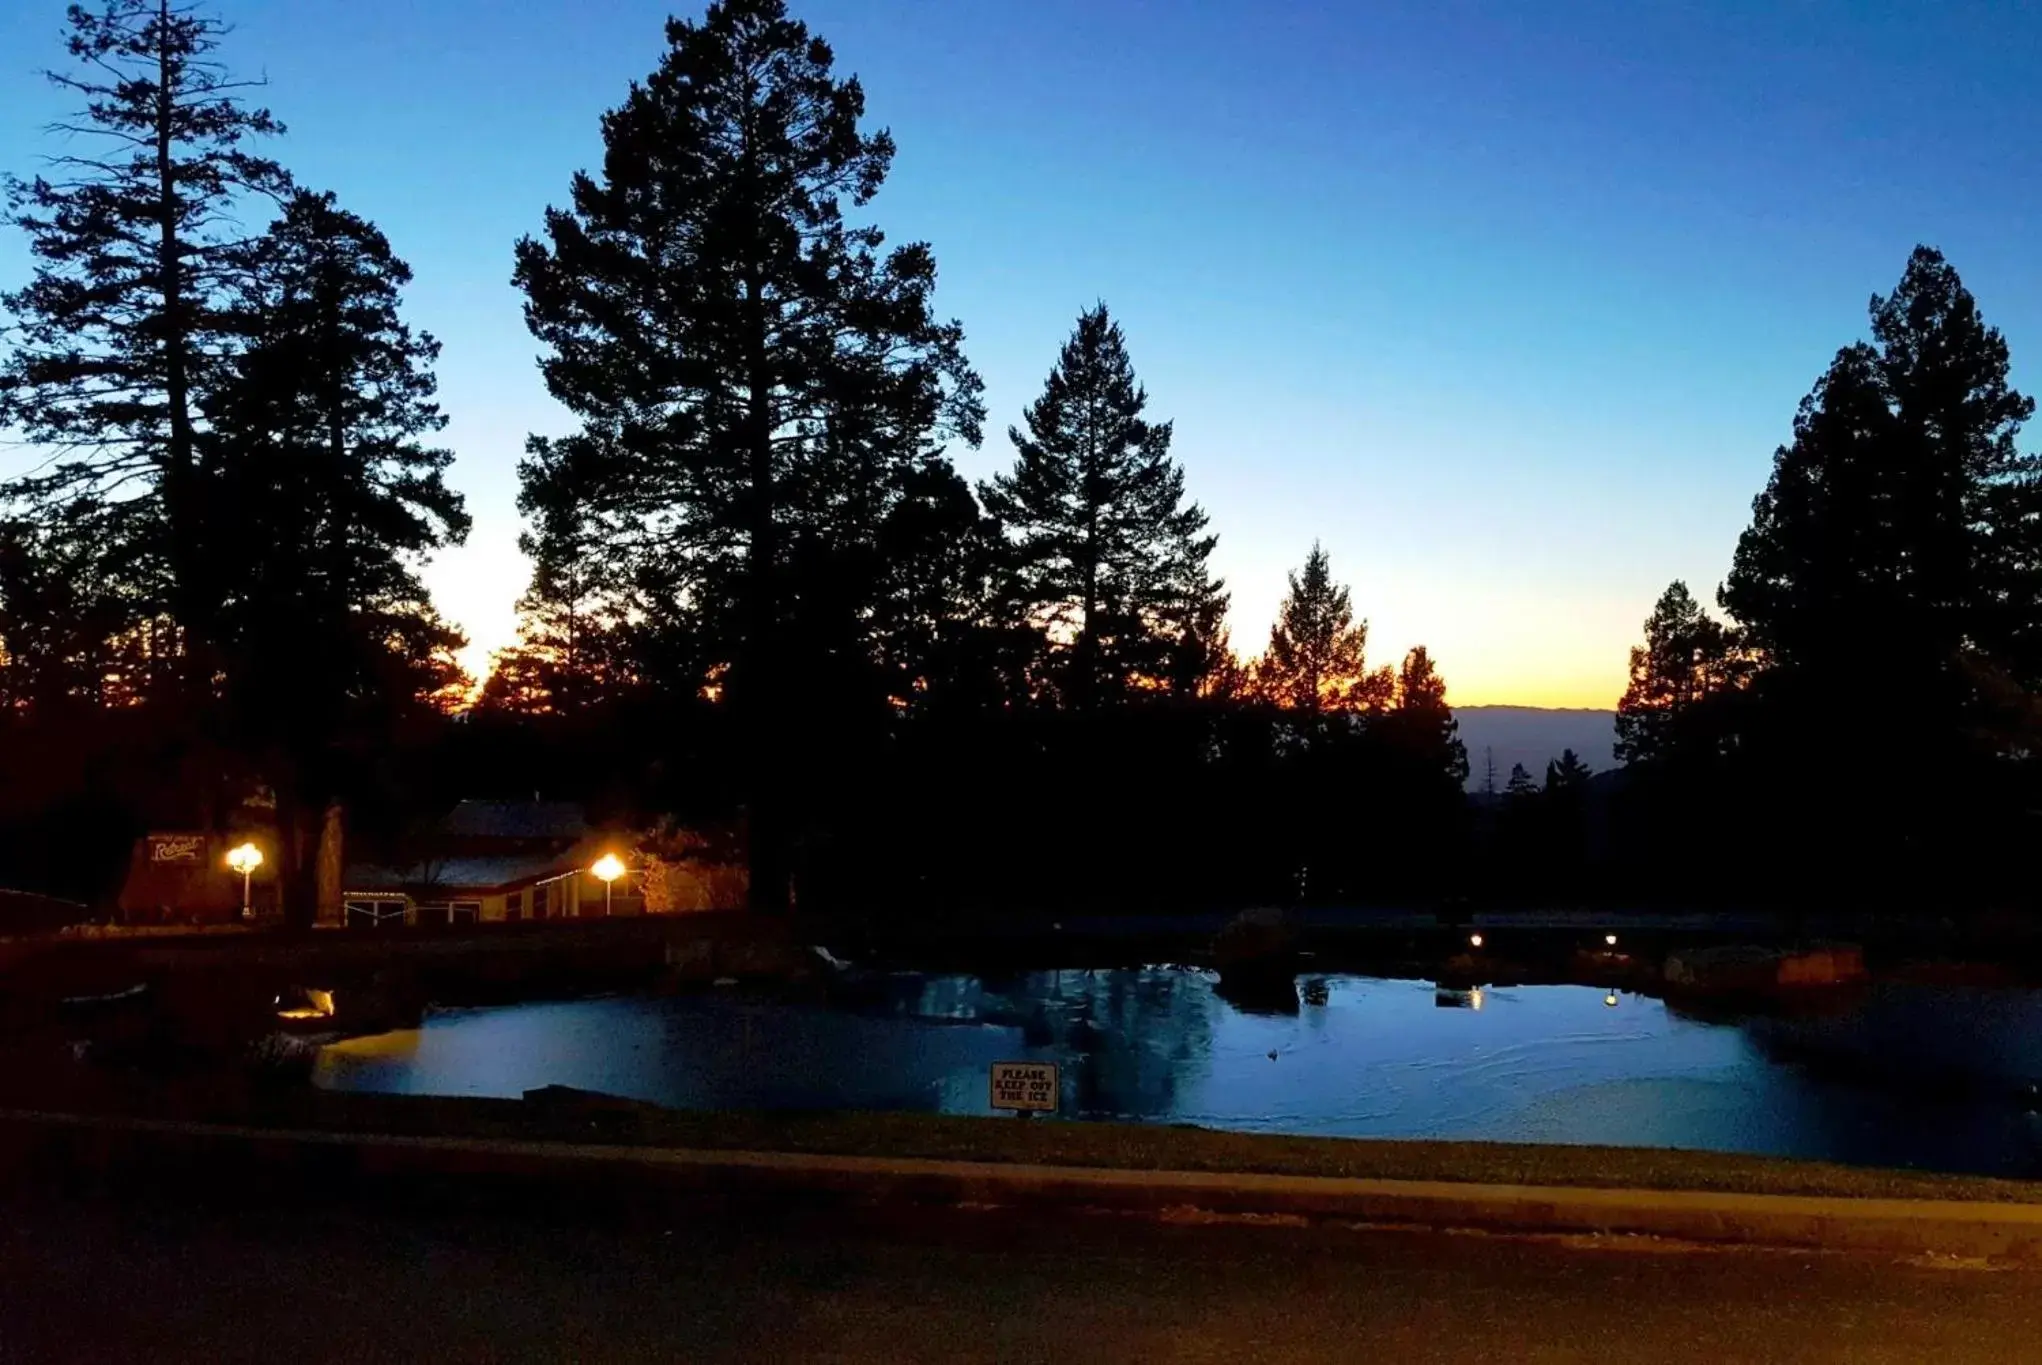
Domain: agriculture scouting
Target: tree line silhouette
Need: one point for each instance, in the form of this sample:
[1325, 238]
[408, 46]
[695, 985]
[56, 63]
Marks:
[1866, 720]
[763, 596]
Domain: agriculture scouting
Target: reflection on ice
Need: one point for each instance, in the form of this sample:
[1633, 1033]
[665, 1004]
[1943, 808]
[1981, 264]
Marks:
[1354, 1056]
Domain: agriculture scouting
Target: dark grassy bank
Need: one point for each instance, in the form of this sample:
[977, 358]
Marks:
[577, 1119]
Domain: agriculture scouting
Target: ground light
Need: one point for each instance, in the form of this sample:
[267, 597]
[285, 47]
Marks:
[244, 859]
[1610, 939]
[1474, 940]
[316, 1004]
[1610, 1000]
[608, 867]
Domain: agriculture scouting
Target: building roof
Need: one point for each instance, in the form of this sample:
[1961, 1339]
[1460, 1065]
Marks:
[516, 820]
[448, 876]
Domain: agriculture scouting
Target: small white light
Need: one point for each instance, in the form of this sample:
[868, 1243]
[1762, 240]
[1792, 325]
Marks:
[1610, 939]
[1610, 1000]
[1474, 940]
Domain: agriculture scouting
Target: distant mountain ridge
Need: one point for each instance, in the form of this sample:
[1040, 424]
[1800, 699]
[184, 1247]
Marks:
[1533, 736]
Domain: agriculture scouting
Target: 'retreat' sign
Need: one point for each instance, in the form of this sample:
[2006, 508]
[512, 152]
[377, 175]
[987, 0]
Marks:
[1031, 1087]
[176, 848]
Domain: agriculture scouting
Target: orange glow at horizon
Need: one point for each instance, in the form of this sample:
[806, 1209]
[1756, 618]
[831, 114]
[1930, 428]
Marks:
[1558, 694]
[1492, 645]
[1553, 688]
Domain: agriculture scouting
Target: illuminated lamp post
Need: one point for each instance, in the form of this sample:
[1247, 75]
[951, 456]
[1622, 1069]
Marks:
[245, 859]
[608, 868]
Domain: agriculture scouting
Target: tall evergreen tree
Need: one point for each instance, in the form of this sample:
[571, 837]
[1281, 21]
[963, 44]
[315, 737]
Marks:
[1902, 518]
[576, 627]
[1816, 575]
[1112, 560]
[71, 638]
[318, 436]
[1680, 676]
[1890, 586]
[120, 334]
[1421, 725]
[1206, 663]
[571, 654]
[948, 633]
[1316, 660]
[1561, 824]
[704, 302]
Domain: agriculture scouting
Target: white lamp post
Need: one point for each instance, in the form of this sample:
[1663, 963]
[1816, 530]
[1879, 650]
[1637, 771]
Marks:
[245, 859]
[608, 868]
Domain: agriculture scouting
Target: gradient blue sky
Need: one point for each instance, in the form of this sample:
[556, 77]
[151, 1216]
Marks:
[1508, 304]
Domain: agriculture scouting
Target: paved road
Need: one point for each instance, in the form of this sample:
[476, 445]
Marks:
[89, 1280]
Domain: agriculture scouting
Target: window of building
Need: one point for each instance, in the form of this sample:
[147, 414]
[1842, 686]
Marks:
[373, 912]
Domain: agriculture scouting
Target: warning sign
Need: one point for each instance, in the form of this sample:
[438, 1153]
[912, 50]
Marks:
[1029, 1086]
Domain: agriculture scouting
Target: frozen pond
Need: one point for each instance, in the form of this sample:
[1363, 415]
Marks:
[1359, 1056]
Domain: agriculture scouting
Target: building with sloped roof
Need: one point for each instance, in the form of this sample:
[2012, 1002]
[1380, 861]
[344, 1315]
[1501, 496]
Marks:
[491, 862]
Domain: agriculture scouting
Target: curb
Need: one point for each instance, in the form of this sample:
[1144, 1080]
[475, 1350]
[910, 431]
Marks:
[1949, 1228]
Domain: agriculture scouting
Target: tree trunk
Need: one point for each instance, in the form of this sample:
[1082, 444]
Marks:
[1087, 671]
[332, 863]
[297, 876]
[758, 696]
[181, 490]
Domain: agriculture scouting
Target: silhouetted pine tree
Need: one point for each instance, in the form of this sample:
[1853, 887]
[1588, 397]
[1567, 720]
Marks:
[1421, 726]
[1890, 565]
[1316, 660]
[1521, 787]
[1206, 665]
[326, 635]
[71, 635]
[120, 334]
[576, 627]
[1566, 776]
[1565, 801]
[1111, 559]
[947, 632]
[1902, 511]
[766, 374]
[1672, 712]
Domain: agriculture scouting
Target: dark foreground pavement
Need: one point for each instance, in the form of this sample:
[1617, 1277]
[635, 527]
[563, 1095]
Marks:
[90, 1278]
